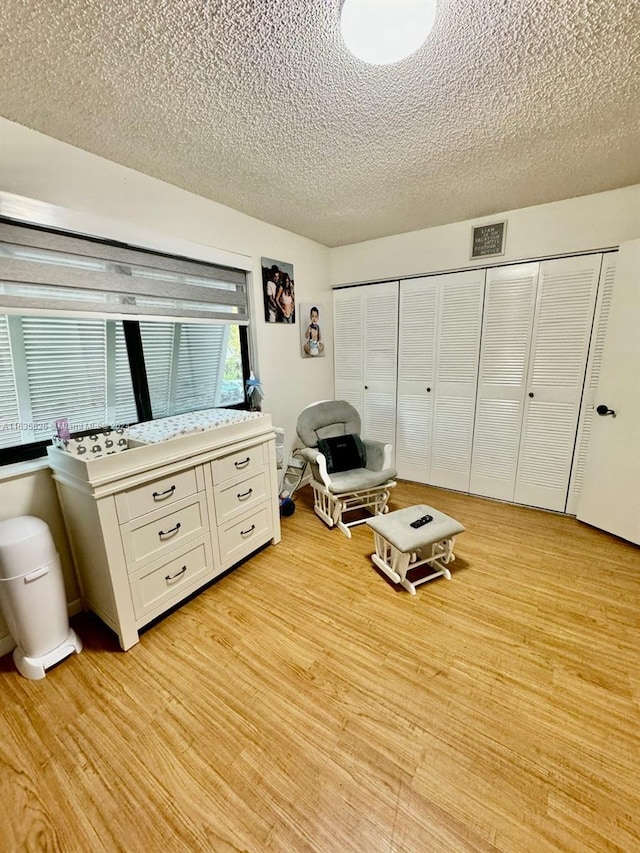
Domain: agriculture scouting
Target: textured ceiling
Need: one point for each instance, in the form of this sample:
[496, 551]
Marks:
[257, 104]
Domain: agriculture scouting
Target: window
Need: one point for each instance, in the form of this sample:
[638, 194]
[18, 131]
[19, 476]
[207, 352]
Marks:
[176, 349]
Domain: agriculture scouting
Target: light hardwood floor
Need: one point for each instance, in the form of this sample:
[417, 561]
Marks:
[303, 703]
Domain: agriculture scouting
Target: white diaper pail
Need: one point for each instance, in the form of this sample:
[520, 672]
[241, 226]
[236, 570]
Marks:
[32, 596]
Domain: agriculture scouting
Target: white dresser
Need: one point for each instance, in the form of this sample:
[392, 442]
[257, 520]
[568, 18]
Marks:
[150, 525]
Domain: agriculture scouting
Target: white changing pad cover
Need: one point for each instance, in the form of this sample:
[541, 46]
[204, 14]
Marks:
[164, 429]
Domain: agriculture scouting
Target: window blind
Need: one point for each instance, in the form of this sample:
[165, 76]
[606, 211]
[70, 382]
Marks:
[50, 272]
[9, 415]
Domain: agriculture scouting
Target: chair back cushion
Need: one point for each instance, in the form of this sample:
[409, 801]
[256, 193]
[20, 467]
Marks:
[327, 419]
[343, 453]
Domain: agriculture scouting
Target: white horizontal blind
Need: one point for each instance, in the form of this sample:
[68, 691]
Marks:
[201, 361]
[124, 404]
[158, 348]
[65, 364]
[185, 365]
[9, 415]
[50, 272]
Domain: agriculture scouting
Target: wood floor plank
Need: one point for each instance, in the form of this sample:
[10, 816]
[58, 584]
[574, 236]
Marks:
[305, 703]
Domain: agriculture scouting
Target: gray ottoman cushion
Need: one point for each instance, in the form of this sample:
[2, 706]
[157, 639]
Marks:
[396, 527]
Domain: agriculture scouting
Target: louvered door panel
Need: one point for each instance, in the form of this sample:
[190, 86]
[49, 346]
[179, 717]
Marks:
[562, 328]
[594, 363]
[549, 429]
[506, 336]
[416, 377]
[459, 325]
[348, 352]
[380, 348]
[379, 416]
[413, 437]
[9, 415]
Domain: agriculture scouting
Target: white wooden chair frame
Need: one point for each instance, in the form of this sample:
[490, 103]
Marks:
[331, 507]
[395, 563]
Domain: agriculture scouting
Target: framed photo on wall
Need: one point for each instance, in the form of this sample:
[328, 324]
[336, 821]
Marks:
[278, 291]
[312, 344]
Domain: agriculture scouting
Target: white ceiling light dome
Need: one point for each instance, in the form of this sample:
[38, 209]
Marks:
[381, 32]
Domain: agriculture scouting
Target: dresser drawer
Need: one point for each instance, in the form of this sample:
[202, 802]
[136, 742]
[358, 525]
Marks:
[157, 587]
[155, 494]
[241, 538]
[148, 539]
[244, 462]
[232, 501]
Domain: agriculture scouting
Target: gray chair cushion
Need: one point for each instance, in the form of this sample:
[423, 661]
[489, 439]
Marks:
[327, 419]
[358, 479]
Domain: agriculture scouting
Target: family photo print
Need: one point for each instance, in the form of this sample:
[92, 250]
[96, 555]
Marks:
[278, 291]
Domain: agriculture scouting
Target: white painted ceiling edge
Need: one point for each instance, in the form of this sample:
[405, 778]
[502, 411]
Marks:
[259, 106]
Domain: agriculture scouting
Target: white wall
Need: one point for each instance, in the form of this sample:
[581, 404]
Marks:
[110, 196]
[580, 224]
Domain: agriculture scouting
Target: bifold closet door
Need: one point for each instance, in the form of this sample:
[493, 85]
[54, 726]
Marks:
[594, 365]
[380, 348]
[510, 298]
[459, 321]
[366, 354]
[416, 377]
[562, 328]
[610, 496]
[347, 346]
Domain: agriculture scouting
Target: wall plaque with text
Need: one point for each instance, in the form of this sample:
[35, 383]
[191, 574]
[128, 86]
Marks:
[488, 240]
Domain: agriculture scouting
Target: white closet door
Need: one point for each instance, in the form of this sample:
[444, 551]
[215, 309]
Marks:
[380, 346]
[347, 346]
[594, 364]
[459, 326]
[562, 328]
[610, 496]
[416, 377]
[509, 307]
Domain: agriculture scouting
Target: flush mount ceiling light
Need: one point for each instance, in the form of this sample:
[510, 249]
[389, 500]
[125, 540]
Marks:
[381, 32]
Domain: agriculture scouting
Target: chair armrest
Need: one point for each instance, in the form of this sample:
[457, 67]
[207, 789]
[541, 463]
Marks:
[318, 463]
[378, 455]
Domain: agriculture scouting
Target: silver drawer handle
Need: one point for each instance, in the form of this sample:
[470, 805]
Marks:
[243, 463]
[160, 496]
[242, 495]
[247, 532]
[171, 531]
[177, 575]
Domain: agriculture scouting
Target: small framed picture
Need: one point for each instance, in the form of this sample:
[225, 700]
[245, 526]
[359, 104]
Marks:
[488, 240]
[278, 291]
[312, 344]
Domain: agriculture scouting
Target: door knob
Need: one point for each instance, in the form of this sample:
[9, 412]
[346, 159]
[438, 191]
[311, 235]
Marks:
[531, 393]
[605, 410]
[428, 389]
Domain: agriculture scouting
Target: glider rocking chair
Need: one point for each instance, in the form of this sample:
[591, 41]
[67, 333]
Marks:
[348, 473]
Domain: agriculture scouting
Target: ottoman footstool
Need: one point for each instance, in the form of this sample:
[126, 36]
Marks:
[401, 548]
